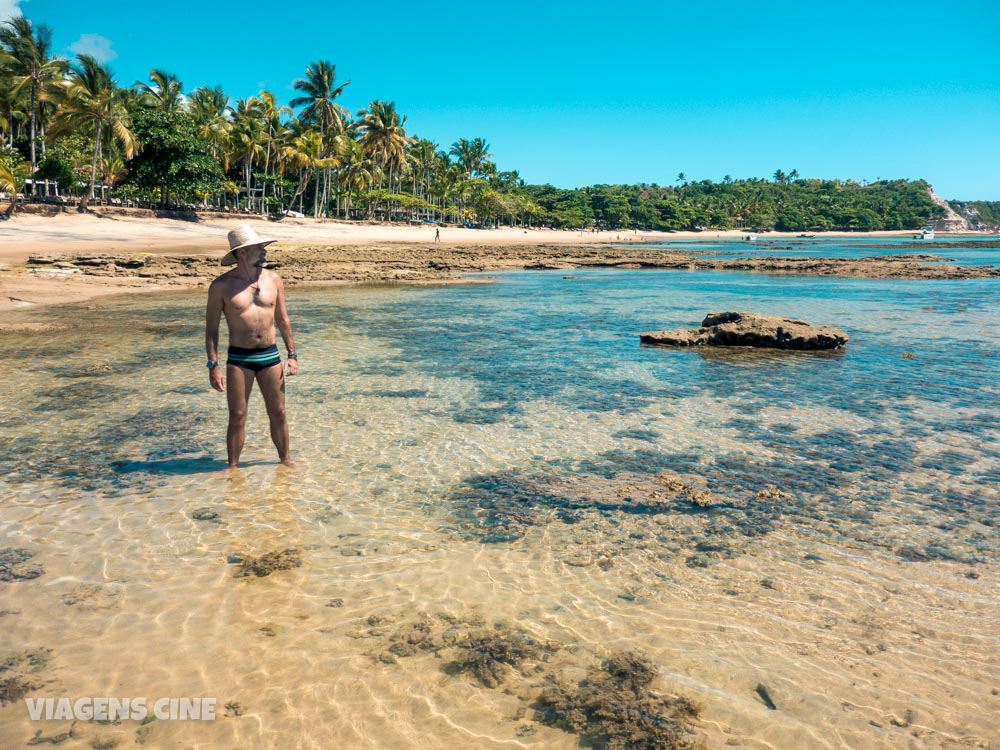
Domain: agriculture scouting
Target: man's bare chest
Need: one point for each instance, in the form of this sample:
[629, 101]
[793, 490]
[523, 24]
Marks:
[244, 298]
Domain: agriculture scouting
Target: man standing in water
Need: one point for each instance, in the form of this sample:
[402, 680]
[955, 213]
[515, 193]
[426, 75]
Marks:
[253, 299]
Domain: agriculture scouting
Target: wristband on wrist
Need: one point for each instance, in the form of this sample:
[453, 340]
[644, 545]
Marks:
[211, 363]
[293, 355]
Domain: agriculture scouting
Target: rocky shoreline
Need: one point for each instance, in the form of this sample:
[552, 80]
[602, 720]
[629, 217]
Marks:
[408, 263]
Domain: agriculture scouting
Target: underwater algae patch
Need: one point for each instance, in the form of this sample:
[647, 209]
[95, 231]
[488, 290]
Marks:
[614, 515]
[14, 565]
[658, 506]
[614, 707]
[263, 565]
[19, 674]
[488, 655]
[116, 452]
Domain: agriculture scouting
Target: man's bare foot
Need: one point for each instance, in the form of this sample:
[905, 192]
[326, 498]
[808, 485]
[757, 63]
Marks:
[289, 463]
[229, 471]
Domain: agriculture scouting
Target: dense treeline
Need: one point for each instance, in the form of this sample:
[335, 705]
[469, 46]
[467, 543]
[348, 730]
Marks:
[71, 123]
[785, 204]
[981, 214]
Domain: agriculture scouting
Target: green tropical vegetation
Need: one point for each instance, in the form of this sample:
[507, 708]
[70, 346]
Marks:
[981, 214]
[156, 144]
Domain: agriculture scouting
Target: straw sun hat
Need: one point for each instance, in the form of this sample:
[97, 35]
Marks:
[242, 236]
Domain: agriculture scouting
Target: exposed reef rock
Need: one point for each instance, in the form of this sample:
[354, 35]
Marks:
[751, 329]
[407, 262]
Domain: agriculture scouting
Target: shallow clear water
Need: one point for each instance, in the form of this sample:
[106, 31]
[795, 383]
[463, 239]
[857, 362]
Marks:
[842, 247]
[455, 442]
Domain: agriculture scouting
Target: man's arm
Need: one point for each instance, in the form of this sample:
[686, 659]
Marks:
[284, 325]
[213, 313]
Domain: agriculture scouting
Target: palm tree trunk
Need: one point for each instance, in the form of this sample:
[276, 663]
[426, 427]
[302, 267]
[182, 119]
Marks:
[388, 204]
[379, 193]
[267, 165]
[34, 158]
[326, 192]
[316, 197]
[93, 165]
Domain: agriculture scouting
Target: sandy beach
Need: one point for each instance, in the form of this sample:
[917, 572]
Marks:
[110, 230]
[180, 253]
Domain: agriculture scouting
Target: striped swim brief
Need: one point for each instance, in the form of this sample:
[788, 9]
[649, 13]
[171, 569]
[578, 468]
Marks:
[254, 359]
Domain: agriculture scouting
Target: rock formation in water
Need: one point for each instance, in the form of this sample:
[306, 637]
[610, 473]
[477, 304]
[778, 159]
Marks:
[751, 329]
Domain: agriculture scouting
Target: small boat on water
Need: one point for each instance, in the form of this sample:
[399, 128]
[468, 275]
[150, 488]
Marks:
[749, 237]
[925, 234]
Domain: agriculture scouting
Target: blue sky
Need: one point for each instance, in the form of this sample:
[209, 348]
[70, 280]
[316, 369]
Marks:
[583, 92]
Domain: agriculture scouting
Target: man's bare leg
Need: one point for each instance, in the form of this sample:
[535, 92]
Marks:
[239, 383]
[272, 388]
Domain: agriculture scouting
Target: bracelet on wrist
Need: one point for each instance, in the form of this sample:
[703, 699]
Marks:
[293, 355]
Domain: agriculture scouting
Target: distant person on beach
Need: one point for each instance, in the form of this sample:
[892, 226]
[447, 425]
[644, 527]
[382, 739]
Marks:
[253, 300]
[437, 234]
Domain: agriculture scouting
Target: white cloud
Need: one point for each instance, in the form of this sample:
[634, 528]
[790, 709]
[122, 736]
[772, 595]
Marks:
[9, 9]
[94, 45]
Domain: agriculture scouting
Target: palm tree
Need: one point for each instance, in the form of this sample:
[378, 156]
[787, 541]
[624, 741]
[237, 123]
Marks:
[247, 139]
[164, 93]
[113, 171]
[12, 178]
[11, 111]
[471, 155]
[7, 100]
[445, 179]
[305, 153]
[355, 173]
[383, 137]
[318, 96]
[210, 109]
[423, 154]
[319, 92]
[271, 114]
[90, 99]
[30, 65]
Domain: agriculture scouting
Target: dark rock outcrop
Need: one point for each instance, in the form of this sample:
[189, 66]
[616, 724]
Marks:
[751, 329]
